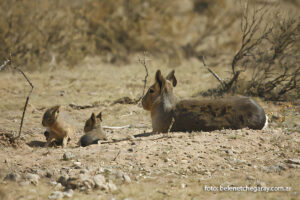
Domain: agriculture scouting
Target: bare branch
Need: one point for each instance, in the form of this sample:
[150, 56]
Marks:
[143, 62]
[116, 127]
[249, 27]
[26, 102]
[4, 64]
[212, 72]
[115, 158]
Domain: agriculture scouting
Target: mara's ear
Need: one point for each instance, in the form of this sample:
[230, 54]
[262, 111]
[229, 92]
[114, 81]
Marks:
[93, 117]
[171, 77]
[159, 78]
[56, 109]
[100, 116]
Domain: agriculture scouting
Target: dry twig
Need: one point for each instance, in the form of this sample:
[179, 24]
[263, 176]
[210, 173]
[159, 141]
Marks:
[4, 64]
[27, 98]
[26, 102]
[212, 72]
[115, 158]
[116, 127]
[143, 62]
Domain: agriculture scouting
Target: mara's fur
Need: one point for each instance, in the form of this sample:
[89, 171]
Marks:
[198, 115]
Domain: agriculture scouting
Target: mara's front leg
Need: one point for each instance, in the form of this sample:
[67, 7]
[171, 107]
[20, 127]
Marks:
[49, 139]
[65, 141]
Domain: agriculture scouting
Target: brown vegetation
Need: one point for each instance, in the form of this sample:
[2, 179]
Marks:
[269, 54]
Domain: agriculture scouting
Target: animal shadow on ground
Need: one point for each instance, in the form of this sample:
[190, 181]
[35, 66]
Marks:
[36, 143]
[143, 134]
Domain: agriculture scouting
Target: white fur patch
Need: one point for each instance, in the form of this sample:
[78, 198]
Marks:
[266, 122]
[167, 105]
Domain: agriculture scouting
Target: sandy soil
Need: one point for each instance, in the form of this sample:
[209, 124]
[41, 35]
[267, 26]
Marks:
[172, 166]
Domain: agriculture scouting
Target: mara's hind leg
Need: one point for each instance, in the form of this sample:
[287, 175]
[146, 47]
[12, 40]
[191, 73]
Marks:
[49, 139]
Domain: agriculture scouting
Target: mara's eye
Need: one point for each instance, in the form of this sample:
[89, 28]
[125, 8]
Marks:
[151, 91]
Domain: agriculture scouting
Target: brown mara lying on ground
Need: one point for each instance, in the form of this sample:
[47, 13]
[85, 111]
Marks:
[234, 112]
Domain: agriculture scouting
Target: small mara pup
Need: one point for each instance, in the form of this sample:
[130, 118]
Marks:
[198, 115]
[93, 131]
[57, 128]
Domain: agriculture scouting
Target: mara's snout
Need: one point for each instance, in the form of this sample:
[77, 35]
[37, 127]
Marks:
[144, 104]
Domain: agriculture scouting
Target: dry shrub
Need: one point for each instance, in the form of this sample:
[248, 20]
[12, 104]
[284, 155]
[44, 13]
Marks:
[36, 32]
[42, 32]
[275, 67]
[267, 63]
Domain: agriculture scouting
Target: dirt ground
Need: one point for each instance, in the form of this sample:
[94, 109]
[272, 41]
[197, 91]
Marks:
[172, 166]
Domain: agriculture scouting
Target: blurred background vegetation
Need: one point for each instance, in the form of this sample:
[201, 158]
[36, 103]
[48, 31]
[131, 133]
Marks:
[36, 32]
[41, 33]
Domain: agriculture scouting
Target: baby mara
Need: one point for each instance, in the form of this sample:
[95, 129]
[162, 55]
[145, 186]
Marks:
[57, 128]
[93, 131]
[60, 131]
[198, 115]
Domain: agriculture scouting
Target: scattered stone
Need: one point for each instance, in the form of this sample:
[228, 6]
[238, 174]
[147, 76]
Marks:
[13, 177]
[82, 182]
[261, 184]
[130, 149]
[119, 174]
[53, 183]
[56, 195]
[100, 182]
[32, 178]
[49, 174]
[100, 170]
[184, 161]
[239, 162]
[72, 183]
[84, 171]
[25, 183]
[77, 164]
[63, 180]
[127, 179]
[274, 168]
[58, 186]
[68, 193]
[229, 152]
[112, 186]
[86, 182]
[251, 178]
[68, 156]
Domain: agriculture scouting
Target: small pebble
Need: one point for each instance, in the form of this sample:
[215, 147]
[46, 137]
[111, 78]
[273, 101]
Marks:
[68, 156]
[56, 195]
